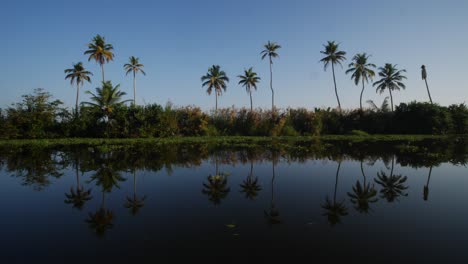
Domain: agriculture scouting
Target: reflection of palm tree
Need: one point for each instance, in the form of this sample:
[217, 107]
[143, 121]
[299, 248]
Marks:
[335, 210]
[135, 203]
[363, 194]
[216, 188]
[79, 197]
[426, 187]
[101, 220]
[392, 186]
[107, 177]
[273, 214]
[250, 186]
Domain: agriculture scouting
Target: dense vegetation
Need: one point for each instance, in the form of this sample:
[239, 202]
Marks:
[38, 115]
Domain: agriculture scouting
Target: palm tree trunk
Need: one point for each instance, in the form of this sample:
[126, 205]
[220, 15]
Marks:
[134, 184]
[393, 164]
[251, 169]
[391, 98]
[363, 175]
[77, 95]
[216, 106]
[271, 87]
[273, 185]
[336, 181]
[429, 93]
[77, 175]
[134, 89]
[362, 91]
[336, 91]
[251, 107]
[102, 70]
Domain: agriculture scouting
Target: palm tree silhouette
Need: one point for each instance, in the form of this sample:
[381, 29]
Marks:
[333, 56]
[134, 203]
[426, 187]
[334, 210]
[101, 220]
[392, 186]
[134, 66]
[272, 215]
[392, 79]
[215, 79]
[362, 71]
[270, 51]
[100, 51]
[78, 75]
[250, 186]
[363, 194]
[424, 77]
[216, 188]
[249, 80]
[79, 197]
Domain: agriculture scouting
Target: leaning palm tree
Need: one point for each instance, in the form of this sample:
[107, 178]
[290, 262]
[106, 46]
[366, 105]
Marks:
[362, 71]
[100, 51]
[215, 79]
[424, 77]
[78, 75]
[333, 56]
[134, 66]
[249, 80]
[270, 51]
[426, 187]
[392, 79]
[334, 210]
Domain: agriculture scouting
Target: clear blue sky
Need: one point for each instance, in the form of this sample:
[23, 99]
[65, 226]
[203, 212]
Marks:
[178, 40]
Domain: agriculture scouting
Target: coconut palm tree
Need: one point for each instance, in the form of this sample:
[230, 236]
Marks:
[78, 75]
[272, 215]
[249, 80]
[363, 194]
[424, 77]
[392, 80]
[134, 66]
[392, 185]
[215, 79]
[383, 108]
[333, 56]
[100, 51]
[361, 71]
[250, 186]
[79, 197]
[270, 51]
[134, 203]
[335, 210]
[101, 220]
[217, 186]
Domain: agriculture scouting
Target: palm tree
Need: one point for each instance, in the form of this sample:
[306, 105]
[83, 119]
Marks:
[250, 186]
[215, 79]
[217, 186]
[249, 80]
[392, 186]
[362, 71]
[392, 79]
[134, 203]
[333, 56]
[272, 214]
[382, 108]
[335, 210]
[101, 220]
[78, 75]
[100, 51]
[79, 197]
[426, 187]
[134, 66]
[270, 51]
[424, 77]
[363, 194]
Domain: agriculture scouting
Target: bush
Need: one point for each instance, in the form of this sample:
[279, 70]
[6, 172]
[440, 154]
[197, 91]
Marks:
[422, 118]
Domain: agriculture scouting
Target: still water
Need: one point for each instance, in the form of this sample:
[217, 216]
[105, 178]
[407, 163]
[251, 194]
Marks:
[89, 204]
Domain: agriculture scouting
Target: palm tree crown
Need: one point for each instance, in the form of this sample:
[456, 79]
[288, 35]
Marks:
[100, 51]
[78, 75]
[134, 66]
[362, 71]
[270, 51]
[249, 80]
[391, 79]
[333, 56]
[215, 79]
[106, 98]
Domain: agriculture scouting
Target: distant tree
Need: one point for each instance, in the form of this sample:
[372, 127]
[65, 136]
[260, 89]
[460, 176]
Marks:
[392, 80]
[361, 71]
[270, 51]
[100, 51]
[134, 66]
[215, 79]
[249, 80]
[424, 77]
[78, 75]
[333, 56]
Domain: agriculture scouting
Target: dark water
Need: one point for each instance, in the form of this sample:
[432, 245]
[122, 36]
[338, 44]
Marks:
[381, 204]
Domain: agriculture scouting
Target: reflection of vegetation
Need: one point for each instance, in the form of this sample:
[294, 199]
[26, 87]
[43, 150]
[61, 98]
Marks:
[335, 210]
[101, 220]
[79, 196]
[363, 194]
[134, 203]
[250, 186]
[426, 187]
[392, 186]
[107, 177]
[272, 214]
[216, 188]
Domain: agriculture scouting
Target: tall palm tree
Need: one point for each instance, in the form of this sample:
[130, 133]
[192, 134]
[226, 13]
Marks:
[393, 186]
[392, 79]
[249, 80]
[424, 77]
[100, 51]
[101, 220]
[79, 197]
[250, 186]
[215, 79]
[362, 71]
[134, 66]
[335, 210]
[270, 51]
[273, 214]
[78, 75]
[333, 56]
[134, 203]
[363, 194]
